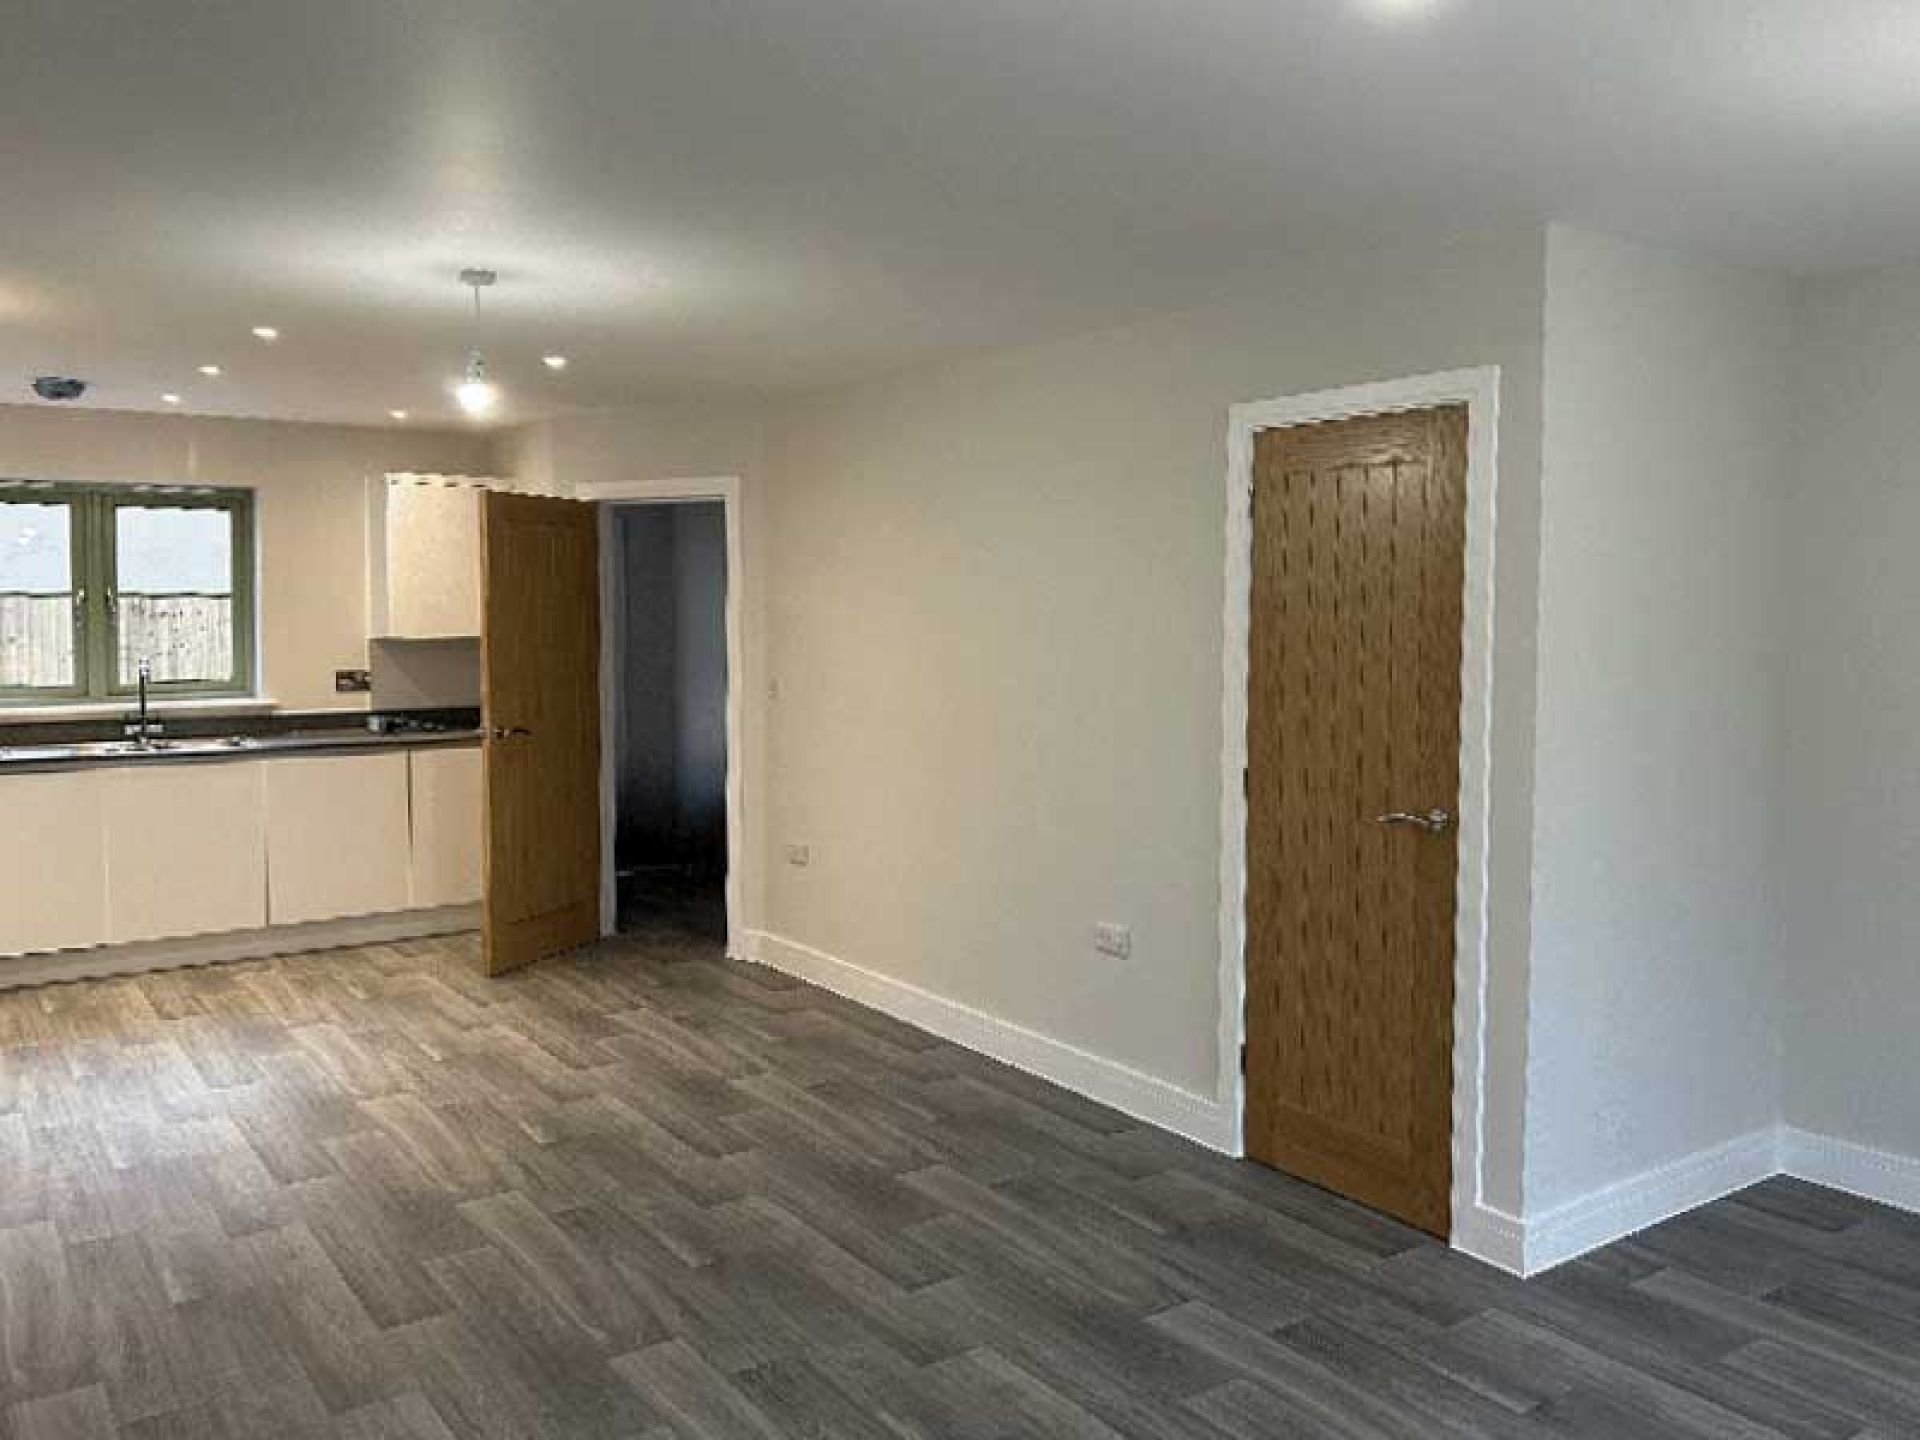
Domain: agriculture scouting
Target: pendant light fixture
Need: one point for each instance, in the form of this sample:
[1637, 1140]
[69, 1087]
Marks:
[476, 393]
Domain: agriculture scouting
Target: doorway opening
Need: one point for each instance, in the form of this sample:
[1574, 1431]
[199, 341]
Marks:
[669, 766]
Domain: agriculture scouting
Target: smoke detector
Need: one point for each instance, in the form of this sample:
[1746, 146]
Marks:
[58, 387]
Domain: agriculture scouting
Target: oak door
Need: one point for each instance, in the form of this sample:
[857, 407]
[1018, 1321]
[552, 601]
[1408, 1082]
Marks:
[1353, 739]
[540, 687]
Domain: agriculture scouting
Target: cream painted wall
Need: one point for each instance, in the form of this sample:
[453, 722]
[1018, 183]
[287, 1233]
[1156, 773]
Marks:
[1851, 699]
[311, 505]
[994, 599]
[661, 441]
[1657, 968]
[524, 454]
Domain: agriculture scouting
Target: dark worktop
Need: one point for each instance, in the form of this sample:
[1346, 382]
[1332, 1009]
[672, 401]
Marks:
[57, 745]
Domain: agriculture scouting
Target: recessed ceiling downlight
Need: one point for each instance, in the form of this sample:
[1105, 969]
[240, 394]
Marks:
[397, 414]
[266, 332]
[169, 398]
[212, 372]
[554, 362]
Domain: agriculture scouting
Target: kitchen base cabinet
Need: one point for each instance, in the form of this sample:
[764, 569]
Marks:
[447, 825]
[337, 832]
[145, 853]
[53, 863]
[186, 850]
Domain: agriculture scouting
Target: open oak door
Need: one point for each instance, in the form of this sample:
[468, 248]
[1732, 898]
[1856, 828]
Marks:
[540, 686]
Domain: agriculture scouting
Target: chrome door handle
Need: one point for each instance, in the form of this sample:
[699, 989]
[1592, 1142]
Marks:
[510, 732]
[1435, 821]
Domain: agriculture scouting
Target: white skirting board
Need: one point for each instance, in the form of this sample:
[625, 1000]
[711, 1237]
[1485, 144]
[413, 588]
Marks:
[1631, 1205]
[1520, 1245]
[1492, 1236]
[1882, 1175]
[1634, 1204]
[108, 960]
[1199, 1118]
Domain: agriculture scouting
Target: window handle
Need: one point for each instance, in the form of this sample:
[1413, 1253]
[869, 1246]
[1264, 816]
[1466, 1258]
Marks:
[79, 600]
[113, 605]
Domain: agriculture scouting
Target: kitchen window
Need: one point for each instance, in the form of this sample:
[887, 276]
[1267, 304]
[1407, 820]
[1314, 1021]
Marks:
[96, 579]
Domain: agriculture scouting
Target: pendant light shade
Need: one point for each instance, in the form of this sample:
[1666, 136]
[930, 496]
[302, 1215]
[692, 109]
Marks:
[475, 392]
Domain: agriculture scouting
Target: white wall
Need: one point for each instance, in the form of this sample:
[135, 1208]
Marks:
[1851, 822]
[662, 441]
[1656, 961]
[994, 624]
[310, 482]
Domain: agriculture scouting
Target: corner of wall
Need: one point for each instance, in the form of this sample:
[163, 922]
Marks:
[524, 454]
[1636, 485]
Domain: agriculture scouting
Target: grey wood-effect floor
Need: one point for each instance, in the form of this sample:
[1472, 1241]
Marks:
[647, 1193]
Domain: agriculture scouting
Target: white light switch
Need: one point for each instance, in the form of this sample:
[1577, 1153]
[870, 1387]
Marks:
[1111, 939]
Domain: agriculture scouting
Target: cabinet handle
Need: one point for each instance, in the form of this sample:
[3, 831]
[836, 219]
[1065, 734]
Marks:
[510, 732]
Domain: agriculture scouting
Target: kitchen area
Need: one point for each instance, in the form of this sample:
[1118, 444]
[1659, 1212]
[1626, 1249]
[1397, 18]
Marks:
[158, 828]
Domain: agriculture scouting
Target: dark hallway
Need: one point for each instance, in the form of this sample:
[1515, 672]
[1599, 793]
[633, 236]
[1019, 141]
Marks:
[670, 730]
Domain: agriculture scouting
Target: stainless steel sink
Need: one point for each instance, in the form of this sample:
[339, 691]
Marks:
[137, 752]
[123, 749]
[199, 745]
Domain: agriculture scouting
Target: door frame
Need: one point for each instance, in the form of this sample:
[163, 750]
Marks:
[616, 495]
[1479, 390]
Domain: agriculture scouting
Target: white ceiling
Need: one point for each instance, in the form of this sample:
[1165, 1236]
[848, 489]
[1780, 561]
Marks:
[743, 194]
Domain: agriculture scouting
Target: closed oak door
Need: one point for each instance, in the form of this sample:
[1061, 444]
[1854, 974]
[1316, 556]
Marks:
[540, 685]
[1353, 738]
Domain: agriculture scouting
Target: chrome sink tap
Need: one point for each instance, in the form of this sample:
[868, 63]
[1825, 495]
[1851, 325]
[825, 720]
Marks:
[141, 729]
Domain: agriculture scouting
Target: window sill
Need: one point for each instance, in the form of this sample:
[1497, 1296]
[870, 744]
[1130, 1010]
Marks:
[110, 710]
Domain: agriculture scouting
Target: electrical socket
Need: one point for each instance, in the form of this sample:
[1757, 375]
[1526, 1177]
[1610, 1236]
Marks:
[1113, 939]
[799, 855]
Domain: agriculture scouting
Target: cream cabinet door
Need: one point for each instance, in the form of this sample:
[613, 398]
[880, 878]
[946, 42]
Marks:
[447, 827]
[432, 560]
[337, 836]
[186, 850]
[53, 862]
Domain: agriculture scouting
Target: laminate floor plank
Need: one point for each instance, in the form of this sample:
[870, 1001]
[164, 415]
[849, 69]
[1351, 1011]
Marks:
[645, 1193]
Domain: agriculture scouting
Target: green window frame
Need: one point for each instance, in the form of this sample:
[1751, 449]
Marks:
[94, 512]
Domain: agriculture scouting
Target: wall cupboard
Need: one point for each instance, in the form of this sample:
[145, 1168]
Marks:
[423, 541]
